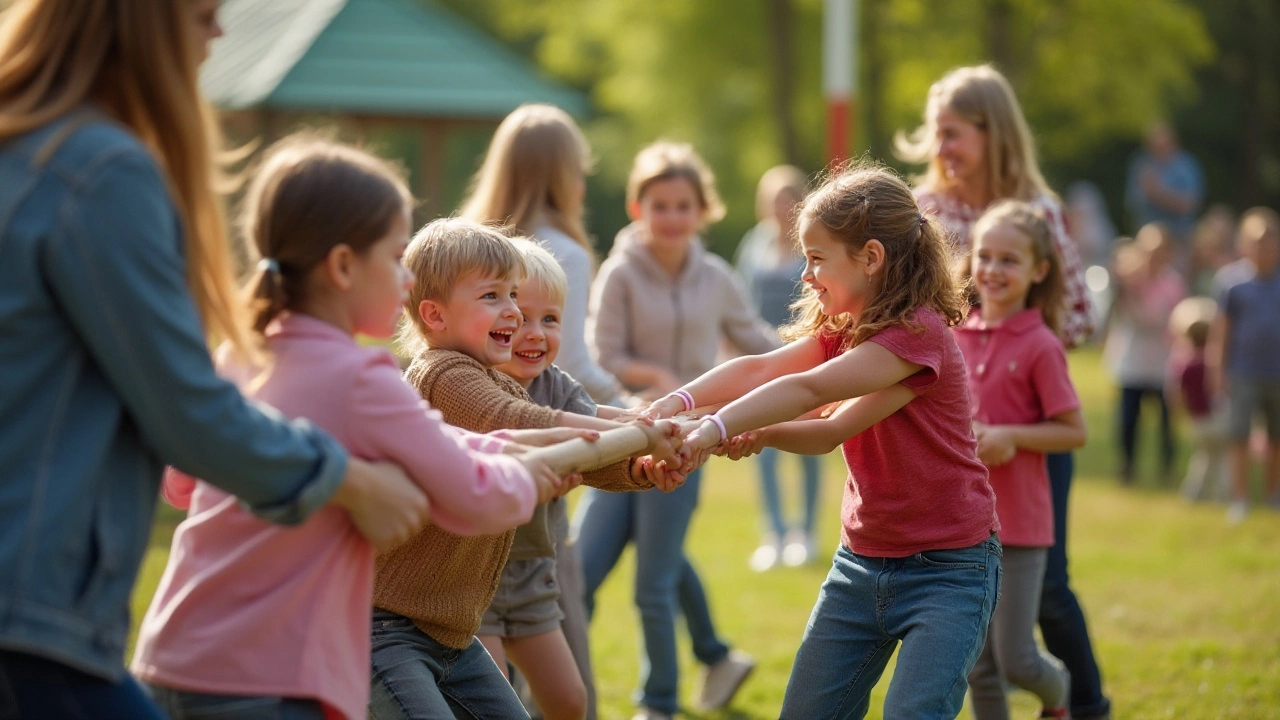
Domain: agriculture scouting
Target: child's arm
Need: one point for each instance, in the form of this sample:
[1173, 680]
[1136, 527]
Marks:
[177, 488]
[609, 320]
[1060, 433]
[820, 436]
[731, 380]
[1215, 355]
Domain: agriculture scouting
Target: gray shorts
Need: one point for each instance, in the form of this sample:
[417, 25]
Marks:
[526, 603]
[1248, 398]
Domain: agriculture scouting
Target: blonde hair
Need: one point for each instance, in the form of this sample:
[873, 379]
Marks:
[543, 271]
[865, 202]
[137, 60]
[668, 161]
[443, 253]
[981, 96]
[1258, 222]
[531, 172]
[774, 181]
[310, 195]
[1046, 295]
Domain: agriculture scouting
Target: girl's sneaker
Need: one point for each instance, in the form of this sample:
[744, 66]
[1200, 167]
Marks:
[720, 682]
[799, 549]
[766, 556]
[1062, 713]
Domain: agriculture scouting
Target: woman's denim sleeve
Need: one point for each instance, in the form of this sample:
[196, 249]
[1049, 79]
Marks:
[116, 266]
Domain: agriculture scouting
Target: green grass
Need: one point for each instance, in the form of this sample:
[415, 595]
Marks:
[1184, 610]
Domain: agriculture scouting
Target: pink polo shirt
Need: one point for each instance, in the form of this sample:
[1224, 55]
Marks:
[1018, 376]
[915, 482]
[246, 607]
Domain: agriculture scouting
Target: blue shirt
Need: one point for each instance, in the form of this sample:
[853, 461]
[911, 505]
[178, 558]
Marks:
[106, 379]
[1181, 174]
[1253, 343]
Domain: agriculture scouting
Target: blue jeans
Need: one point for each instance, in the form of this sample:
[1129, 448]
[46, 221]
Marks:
[1130, 410]
[417, 677]
[182, 705]
[1062, 623]
[936, 603]
[809, 465]
[665, 580]
[32, 687]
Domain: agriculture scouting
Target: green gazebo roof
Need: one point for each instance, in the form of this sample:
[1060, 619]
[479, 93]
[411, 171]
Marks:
[374, 57]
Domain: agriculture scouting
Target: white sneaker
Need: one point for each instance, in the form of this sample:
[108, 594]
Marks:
[766, 556]
[648, 713]
[799, 549]
[720, 682]
[1236, 511]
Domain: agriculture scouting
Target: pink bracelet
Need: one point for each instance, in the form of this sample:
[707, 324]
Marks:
[724, 434]
[685, 398]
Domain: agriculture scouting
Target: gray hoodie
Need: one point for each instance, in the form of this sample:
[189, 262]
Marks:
[640, 312]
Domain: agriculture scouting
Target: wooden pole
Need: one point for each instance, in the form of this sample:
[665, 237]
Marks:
[580, 455]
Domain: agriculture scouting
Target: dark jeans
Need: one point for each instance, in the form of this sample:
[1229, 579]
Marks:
[1062, 623]
[32, 688]
[1130, 412]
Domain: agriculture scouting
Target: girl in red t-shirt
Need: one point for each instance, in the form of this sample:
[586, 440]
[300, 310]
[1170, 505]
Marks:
[1023, 407]
[918, 562]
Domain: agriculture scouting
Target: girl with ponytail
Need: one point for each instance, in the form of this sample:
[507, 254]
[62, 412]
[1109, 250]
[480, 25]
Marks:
[330, 224]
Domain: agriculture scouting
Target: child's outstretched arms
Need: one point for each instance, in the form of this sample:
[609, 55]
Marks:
[731, 380]
[821, 435]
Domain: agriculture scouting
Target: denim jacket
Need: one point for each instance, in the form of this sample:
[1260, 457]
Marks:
[105, 377]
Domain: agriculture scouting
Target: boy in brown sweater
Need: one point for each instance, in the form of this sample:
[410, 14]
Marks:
[430, 593]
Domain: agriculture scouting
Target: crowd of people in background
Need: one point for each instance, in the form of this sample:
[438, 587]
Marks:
[434, 570]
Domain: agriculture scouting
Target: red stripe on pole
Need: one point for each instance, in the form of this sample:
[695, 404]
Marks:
[837, 130]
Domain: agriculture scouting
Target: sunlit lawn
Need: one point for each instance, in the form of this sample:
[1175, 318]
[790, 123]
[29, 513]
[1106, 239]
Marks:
[1184, 610]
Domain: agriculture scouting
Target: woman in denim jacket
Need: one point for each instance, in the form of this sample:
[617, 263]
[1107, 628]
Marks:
[113, 272]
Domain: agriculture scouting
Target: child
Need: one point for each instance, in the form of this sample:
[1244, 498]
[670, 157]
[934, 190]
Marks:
[253, 614]
[1023, 407]
[1138, 344]
[660, 307]
[769, 263]
[431, 592]
[1243, 357]
[522, 622]
[918, 563]
[1188, 387]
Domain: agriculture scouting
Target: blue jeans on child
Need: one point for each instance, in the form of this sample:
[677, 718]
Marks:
[33, 687]
[1062, 624]
[182, 705]
[937, 603]
[417, 677]
[809, 465]
[665, 581]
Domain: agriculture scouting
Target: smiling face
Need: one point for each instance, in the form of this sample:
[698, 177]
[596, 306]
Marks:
[478, 320]
[670, 212]
[380, 283]
[841, 280]
[535, 345]
[1004, 268]
[962, 147]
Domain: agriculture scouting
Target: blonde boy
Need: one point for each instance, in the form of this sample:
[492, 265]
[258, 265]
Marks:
[430, 593]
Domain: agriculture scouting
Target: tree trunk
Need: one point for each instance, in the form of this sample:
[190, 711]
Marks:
[874, 52]
[781, 22]
[998, 36]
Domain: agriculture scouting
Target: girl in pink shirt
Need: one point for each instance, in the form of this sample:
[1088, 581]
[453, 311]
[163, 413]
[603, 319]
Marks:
[918, 562]
[1023, 407]
[252, 617]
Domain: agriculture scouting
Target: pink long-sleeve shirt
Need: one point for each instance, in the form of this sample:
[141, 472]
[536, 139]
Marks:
[246, 607]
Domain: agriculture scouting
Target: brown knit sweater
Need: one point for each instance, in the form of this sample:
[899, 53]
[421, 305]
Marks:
[441, 581]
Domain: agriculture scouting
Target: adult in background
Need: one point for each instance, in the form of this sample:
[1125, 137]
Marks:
[770, 266]
[114, 270]
[1165, 184]
[979, 150]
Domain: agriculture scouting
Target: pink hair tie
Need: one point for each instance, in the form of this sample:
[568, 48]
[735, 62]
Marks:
[724, 434]
[685, 398]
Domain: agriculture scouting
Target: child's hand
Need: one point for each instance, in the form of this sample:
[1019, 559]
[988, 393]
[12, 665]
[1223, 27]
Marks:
[667, 446]
[704, 437]
[547, 482]
[665, 407]
[995, 446]
[384, 504]
[549, 436]
[645, 470]
[745, 445]
[569, 482]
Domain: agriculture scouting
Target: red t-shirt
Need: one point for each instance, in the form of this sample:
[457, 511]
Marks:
[915, 482]
[1018, 376]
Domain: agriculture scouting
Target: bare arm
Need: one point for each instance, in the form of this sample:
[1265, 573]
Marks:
[731, 380]
[1060, 433]
[822, 435]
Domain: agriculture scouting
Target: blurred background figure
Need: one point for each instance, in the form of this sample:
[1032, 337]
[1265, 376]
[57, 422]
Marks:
[1212, 248]
[1165, 185]
[1089, 222]
[770, 265]
[1138, 346]
[1188, 389]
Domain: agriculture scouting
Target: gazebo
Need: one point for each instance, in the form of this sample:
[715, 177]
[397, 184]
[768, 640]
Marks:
[417, 81]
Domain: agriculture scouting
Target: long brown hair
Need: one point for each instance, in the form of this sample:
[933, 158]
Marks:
[981, 96]
[311, 195]
[531, 172]
[865, 202]
[1046, 295]
[136, 60]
